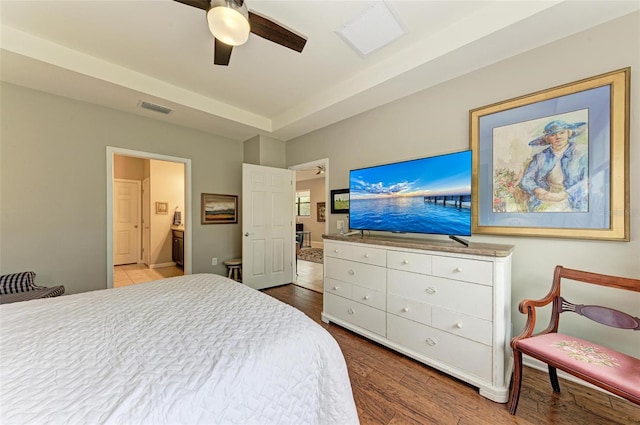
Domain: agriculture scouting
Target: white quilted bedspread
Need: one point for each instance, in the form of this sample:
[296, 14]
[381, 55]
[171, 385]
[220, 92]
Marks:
[198, 349]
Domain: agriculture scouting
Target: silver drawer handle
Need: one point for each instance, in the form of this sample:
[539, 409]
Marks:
[405, 309]
[405, 262]
[352, 272]
[431, 290]
[459, 325]
[335, 288]
[458, 270]
[366, 255]
[431, 342]
[366, 297]
[336, 251]
[351, 311]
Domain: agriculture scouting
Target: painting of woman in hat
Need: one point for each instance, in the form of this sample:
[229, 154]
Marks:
[556, 179]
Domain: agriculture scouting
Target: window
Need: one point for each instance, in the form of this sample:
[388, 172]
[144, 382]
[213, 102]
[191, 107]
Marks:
[303, 203]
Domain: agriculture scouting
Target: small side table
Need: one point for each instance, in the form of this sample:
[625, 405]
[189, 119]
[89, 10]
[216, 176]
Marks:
[235, 269]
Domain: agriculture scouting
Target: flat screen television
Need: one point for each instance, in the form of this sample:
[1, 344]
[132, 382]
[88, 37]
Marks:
[428, 195]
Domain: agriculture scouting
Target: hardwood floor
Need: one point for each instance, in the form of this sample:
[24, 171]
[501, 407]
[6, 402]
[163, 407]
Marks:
[390, 388]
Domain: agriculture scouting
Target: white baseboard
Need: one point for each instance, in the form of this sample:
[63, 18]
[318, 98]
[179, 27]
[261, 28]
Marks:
[157, 266]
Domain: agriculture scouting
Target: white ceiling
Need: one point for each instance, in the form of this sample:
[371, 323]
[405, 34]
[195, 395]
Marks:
[117, 53]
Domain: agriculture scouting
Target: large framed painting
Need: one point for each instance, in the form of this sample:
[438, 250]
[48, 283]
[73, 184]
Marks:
[554, 163]
[219, 209]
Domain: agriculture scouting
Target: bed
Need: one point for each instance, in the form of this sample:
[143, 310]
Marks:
[196, 349]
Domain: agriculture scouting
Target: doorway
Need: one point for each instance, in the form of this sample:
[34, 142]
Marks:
[312, 222]
[159, 209]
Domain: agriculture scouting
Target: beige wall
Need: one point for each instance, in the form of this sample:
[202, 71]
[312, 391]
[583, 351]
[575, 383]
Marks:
[126, 167]
[436, 121]
[53, 185]
[267, 151]
[311, 223]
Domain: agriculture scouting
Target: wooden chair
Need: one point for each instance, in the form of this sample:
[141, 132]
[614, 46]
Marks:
[603, 367]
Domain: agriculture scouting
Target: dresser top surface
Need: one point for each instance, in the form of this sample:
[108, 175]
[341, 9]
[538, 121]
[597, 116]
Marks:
[474, 248]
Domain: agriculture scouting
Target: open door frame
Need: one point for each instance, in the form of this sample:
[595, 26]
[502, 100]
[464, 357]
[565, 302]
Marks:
[309, 165]
[188, 226]
[306, 166]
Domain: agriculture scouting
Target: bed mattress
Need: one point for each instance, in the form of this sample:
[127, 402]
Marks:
[196, 349]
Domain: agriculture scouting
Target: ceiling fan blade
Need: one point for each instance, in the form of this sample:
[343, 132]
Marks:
[200, 4]
[275, 32]
[221, 53]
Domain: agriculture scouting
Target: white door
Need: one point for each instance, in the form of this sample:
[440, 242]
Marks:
[126, 221]
[146, 221]
[267, 226]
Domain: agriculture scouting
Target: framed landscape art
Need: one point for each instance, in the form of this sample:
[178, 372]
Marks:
[219, 209]
[340, 201]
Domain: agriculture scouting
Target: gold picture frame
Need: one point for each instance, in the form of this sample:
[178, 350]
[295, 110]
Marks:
[519, 188]
[162, 208]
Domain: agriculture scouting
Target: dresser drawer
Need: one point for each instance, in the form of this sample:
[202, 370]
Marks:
[337, 287]
[366, 317]
[361, 254]
[409, 261]
[368, 296]
[366, 275]
[337, 250]
[475, 271]
[463, 354]
[462, 324]
[409, 309]
[469, 298]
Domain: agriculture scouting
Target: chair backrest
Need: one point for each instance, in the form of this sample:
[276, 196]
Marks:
[600, 314]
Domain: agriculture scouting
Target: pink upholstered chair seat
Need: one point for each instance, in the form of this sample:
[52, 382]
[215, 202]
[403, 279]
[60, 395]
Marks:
[616, 369]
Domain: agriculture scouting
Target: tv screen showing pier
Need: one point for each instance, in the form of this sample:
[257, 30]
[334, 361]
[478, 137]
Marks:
[428, 195]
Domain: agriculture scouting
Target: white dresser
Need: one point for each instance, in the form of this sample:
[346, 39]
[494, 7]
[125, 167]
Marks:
[441, 303]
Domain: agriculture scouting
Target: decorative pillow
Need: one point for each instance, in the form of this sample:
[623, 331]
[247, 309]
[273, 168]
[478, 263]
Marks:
[17, 282]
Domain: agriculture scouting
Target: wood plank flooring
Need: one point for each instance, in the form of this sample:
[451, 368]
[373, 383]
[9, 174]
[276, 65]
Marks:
[390, 388]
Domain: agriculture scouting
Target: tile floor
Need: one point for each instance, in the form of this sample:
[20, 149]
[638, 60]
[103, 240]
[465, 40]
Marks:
[310, 275]
[130, 274]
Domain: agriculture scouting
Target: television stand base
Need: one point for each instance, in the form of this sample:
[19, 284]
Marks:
[355, 232]
[460, 240]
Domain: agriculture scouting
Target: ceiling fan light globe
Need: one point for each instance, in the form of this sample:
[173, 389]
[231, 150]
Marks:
[228, 22]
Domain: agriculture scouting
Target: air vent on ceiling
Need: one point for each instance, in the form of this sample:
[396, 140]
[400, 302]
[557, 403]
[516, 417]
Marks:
[154, 107]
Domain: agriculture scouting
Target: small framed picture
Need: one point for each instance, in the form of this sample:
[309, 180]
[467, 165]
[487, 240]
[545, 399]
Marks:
[219, 209]
[322, 208]
[340, 201]
[162, 208]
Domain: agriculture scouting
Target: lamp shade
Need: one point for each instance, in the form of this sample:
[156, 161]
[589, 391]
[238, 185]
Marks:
[229, 22]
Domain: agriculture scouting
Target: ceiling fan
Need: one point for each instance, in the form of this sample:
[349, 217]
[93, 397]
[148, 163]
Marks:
[230, 22]
[320, 170]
